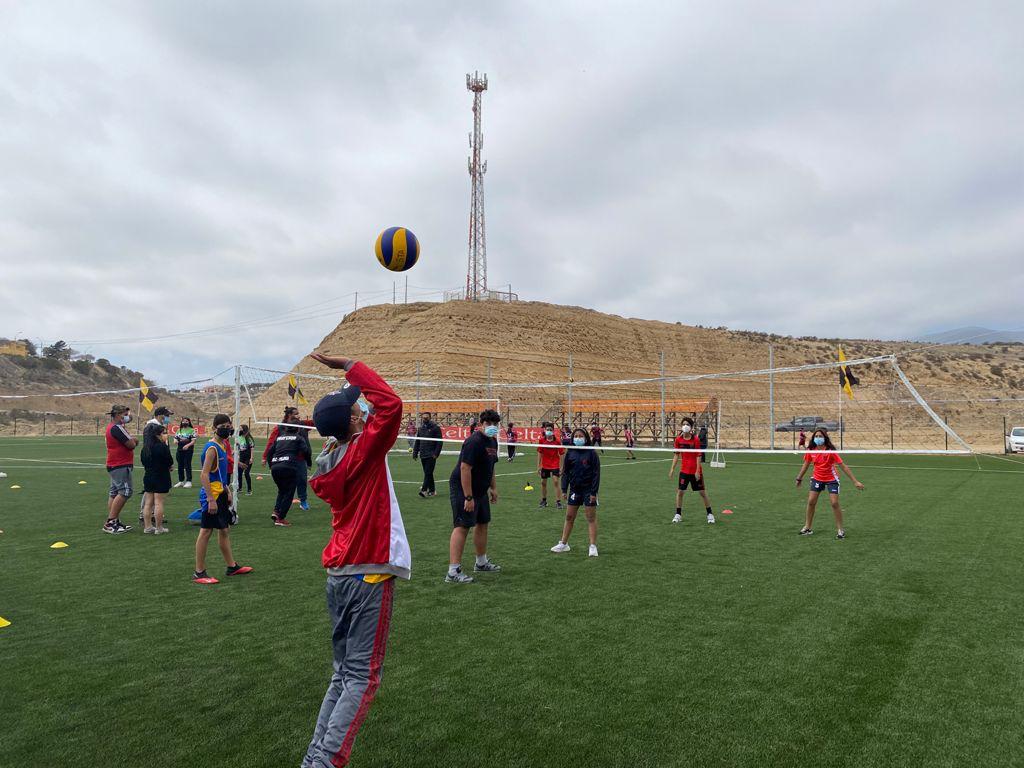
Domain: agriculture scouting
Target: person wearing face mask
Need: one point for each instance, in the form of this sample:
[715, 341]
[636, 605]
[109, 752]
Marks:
[367, 551]
[472, 490]
[161, 418]
[630, 437]
[581, 480]
[427, 451]
[549, 463]
[511, 440]
[185, 440]
[822, 454]
[215, 503]
[120, 461]
[289, 450]
[156, 482]
[691, 474]
[291, 415]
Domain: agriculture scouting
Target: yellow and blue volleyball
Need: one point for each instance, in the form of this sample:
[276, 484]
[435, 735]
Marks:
[397, 249]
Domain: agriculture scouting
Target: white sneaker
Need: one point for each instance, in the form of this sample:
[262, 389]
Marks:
[711, 519]
[149, 530]
[560, 547]
[178, 484]
[188, 484]
[593, 551]
[677, 519]
[163, 529]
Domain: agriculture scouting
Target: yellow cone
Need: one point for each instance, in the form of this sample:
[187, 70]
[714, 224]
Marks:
[82, 482]
[528, 487]
[15, 487]
[4, 622]
[58, 545]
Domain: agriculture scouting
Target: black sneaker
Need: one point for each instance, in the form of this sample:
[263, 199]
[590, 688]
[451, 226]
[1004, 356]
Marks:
[806, 531]
[543, 503]
[558, 505]
[487, 567]
[110, 527]
[237, 570]
[422, 494]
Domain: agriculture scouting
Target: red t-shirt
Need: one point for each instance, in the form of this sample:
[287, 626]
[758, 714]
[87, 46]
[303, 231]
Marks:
[550, 458]
[689, 460]
[824, 465]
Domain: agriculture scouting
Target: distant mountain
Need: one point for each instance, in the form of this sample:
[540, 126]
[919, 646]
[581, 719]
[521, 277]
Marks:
[972, 335]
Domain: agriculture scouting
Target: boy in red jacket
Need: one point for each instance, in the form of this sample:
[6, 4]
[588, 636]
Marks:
[367, 550]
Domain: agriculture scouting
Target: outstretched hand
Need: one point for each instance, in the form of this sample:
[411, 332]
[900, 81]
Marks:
[331, 361]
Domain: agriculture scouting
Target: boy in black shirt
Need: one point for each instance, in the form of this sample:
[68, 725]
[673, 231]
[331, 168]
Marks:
[472, 490]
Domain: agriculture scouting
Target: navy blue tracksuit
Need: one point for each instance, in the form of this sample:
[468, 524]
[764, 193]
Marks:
[582, 473]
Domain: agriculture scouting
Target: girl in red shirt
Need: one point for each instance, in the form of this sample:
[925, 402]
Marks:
[822, 454]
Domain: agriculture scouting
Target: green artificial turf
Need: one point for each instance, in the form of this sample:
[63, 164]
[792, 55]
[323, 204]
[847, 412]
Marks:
[738, 644]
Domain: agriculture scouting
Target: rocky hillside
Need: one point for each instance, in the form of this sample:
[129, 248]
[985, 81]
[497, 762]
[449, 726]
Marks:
[530, 342]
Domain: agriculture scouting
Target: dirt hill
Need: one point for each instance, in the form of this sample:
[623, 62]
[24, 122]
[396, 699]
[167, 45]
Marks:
[39, 378]
[530, 342]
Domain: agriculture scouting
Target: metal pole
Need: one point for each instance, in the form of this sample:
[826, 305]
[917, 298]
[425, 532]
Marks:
[771, 397]
[749, 432]
[1005, 446]
[892, 433]
[72, 425]
[355, 302]
[417, 388]
[44, 424]
[406, 289]
[97, 431]
[570, 391]
[394, 289]
[661, 358]
[490, 391]
[235, 420]
[945, 418]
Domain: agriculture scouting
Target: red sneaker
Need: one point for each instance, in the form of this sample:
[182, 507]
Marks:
[282, 523]
[201, 577]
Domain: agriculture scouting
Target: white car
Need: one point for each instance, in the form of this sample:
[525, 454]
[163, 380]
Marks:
[1015, 441]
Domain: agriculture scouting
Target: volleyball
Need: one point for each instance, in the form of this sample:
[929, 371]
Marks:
[397, 249]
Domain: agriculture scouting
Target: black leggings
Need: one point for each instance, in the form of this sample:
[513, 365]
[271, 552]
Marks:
[286, 479]
[184, 459]
[428, 473]
[511, 451]
[245, 470]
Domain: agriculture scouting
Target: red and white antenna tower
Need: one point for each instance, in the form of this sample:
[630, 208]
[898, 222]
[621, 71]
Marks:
[476, 275]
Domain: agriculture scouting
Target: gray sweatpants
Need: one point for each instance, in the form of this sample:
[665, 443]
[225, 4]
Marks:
[360, 619]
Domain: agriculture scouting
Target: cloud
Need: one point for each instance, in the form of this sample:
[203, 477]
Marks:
[808, 169]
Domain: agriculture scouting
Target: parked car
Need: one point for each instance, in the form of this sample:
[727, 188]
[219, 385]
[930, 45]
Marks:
[808, 424]
[1015, 440]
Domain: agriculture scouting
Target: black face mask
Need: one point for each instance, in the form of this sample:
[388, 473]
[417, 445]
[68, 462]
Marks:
[225, 432]
[426, 421]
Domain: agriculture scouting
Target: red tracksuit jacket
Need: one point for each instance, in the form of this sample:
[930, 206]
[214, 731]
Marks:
[353, 478]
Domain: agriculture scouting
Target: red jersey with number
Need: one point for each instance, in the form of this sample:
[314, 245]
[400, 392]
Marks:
[824, 465]
[550, 458]
[689, 461]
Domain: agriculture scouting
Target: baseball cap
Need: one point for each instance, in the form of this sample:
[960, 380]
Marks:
[332, 415]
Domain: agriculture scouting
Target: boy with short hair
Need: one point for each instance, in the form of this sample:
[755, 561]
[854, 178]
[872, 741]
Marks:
[215, 503]
[367, 550]
[472, 489]
[549, 463]
[691, 473]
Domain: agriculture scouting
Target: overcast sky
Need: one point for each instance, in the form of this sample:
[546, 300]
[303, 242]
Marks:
[834, 169]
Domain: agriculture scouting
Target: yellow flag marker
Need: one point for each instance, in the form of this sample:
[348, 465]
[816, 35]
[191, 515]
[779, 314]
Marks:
[58, 545]
[82, 482]
[4, 622]
[528, 487]
[15, 487]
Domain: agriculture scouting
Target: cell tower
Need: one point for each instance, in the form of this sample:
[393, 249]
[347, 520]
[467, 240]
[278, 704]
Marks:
[476, 275]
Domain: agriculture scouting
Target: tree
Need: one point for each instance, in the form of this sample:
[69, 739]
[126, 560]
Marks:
[30, 346]
[59, 350]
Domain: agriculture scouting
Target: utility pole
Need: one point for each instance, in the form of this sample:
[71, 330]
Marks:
[661, 356]
[771, 397]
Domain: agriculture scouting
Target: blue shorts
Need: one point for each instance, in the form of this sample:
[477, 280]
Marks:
[832, 486]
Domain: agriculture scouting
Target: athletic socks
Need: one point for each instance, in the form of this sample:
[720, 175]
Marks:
[709, 508]
[679, 510]
[481, 559]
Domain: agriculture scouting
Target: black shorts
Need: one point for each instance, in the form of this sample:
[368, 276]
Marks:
[460, 517]
[546, 473]
[221, 518]
[692, 481]
[578, 500]
[832, 486]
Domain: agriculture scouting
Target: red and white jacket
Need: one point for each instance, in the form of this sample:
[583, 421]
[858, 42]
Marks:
[354, 479]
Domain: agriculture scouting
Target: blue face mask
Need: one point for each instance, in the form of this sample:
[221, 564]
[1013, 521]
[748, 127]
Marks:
[364, 409]
[819, 440]
[578, 441]
[166, 420]
[549, 433]
[491, 431]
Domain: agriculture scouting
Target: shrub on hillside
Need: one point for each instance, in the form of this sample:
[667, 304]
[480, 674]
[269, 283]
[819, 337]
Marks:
[83, 367]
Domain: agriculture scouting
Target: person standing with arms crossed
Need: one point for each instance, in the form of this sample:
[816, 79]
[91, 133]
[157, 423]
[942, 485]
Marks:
[427, 451]
[472, 490]
[367, 551]
[120, 460]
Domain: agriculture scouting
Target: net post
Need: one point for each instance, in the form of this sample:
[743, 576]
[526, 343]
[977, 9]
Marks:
[661, 359]
[771, 397]
[237, 417]
[1002, 436]
[570, 419]
[418, 370]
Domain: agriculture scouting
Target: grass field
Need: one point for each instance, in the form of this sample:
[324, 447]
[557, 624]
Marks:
[739, 644]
